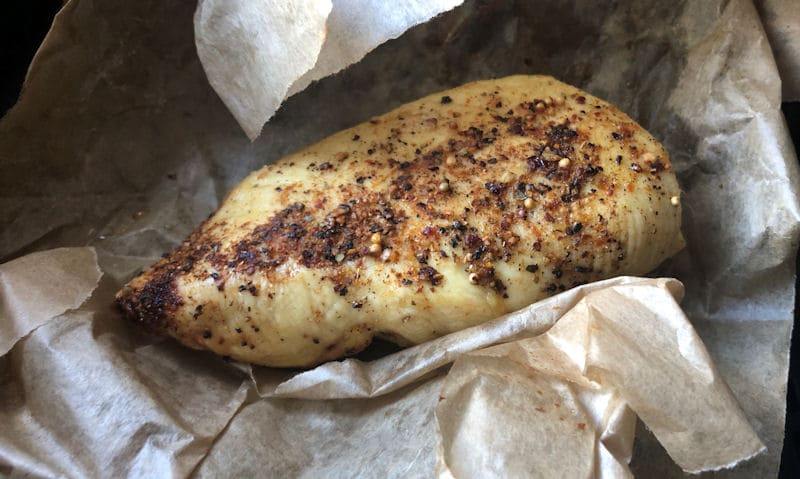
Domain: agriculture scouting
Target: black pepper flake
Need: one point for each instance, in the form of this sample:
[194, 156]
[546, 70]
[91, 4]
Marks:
[532, 268]
[370, 151]
[426, 273]
[576, 228]
[316, 340]
[656, 166]
[619, 159]
[551, 288]
[356, 304]
[446, 99]
[635, 167]
[356, 137]
[583, 269]
[616, 136]
[568, 197]
[557, 273]
[561, 133]
[238, 330]
[516, 127]
[406, 281]
[215, 276]
[495, 188]
[206, 334]
[592, 170]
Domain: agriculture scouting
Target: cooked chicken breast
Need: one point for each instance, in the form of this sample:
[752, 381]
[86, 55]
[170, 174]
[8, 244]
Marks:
[439, 215]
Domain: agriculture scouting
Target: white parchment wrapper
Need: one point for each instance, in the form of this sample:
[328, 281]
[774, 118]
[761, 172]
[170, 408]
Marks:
[253, 52]
[26, 305]
[557, 405]
[120, 142]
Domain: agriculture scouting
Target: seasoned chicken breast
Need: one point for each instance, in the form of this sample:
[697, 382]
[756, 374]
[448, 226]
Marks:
[439, 215]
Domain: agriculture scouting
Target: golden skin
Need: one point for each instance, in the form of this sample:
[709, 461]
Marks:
[439, 215]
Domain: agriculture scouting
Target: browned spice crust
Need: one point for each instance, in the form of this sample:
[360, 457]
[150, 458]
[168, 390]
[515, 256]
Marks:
[562, 168]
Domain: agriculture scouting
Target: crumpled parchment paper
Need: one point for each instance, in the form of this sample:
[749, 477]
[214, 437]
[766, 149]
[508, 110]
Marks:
[120, 142]
[556, 405]
[782, 25]
[26, 305]
[253, 52]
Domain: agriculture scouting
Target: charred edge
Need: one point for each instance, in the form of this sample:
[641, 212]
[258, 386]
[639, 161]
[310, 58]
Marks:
[153, 304]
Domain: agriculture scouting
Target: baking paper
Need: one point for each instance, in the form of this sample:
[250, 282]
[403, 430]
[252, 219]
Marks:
[782, 25]
[257, 53]
[355, 27]
[240, 44]
[70, 275]
[557, 405]
[120, 142]
[85, 395]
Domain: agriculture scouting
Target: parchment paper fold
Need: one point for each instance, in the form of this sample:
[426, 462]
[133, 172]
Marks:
[119, 142]
[255, 54]
[36, 288]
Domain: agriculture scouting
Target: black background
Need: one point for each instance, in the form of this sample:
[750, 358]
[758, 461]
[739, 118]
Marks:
[24, 23]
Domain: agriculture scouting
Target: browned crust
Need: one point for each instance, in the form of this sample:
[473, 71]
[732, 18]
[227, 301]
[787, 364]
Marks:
[316, 234]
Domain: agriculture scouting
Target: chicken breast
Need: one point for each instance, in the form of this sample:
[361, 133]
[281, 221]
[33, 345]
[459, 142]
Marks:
[439, 215]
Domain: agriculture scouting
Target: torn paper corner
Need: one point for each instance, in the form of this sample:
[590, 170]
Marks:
[256, 54]
[620, 349]
[356, 27]
[40, 286]
[253, 51]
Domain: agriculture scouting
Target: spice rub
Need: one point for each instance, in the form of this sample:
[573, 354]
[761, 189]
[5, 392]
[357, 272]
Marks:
[439, 215]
